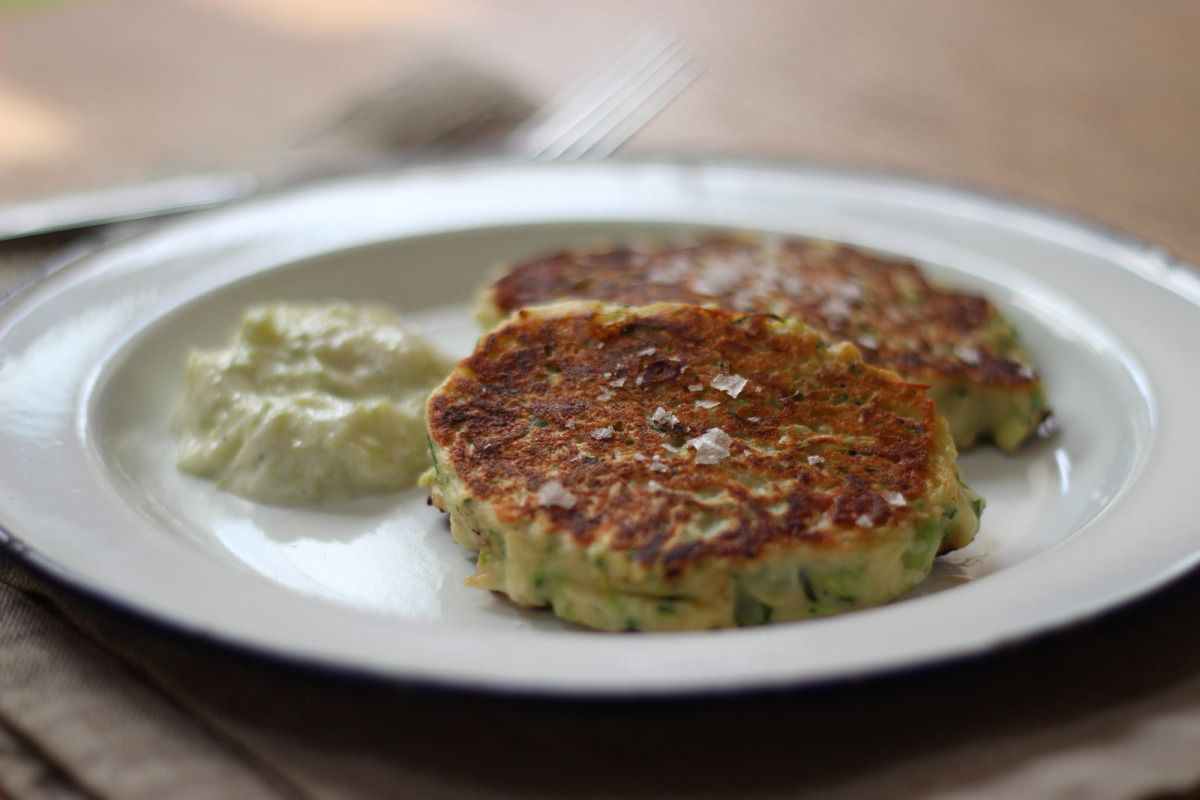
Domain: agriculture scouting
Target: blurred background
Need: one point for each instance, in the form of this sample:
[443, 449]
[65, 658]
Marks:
[1092, 105]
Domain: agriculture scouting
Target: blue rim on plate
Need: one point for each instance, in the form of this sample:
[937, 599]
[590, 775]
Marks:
[91, 366]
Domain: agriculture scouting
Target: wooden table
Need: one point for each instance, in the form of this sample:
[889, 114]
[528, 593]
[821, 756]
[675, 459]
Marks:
[1090, 105]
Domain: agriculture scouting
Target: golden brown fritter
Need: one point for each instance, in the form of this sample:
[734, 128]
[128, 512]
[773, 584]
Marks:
[957, 343]
[598, 455]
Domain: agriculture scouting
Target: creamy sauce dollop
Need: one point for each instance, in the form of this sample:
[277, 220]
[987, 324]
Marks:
[310, 404]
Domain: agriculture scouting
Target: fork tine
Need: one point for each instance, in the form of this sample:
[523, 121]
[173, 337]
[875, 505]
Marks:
[595, 106]
[600, 81]
[610, 107]
[640, 105]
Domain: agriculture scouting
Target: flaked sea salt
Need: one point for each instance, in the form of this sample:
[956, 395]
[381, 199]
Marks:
[792, 284]
[745, 301]
[850, 292]
[553, 493]
[712, 446]
[617, 382]
[673, 271]
[658, 466]
[707, 403]
[664, 417]
[719, 277]
[653, 486]
[968, 354]
[602, 433]
[605, 394]
[695, 387]
[649, 351]
[864, 521]
[814, 460]
[894, 499]
[835, 310]
[732, 385]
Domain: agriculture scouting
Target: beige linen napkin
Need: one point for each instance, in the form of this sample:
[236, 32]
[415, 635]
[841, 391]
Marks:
[99, 703]
[95, 703]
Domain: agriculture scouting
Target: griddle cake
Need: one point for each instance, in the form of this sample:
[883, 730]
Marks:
[958, 344]
[676, 467]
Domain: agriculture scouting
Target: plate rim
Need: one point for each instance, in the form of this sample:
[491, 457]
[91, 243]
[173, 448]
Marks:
[1161, 268]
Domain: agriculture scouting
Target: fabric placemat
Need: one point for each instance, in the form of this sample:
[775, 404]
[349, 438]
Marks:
[98, 703]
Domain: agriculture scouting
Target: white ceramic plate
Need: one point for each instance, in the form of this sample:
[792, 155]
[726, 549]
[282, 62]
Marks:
[91, 366]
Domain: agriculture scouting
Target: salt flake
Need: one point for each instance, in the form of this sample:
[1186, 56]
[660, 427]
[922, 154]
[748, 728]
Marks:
[707, 404]
[814, 460]
[835, 310]
[664, 417]
[850, 292]
[712, 446]
[649, 351]
[968, 354]
[864, 521]
[732, 385]
[673, 271]
[553, 493]
[792, 284]
[894, 499]
[602, 433]
[695, 387]
[720, 276]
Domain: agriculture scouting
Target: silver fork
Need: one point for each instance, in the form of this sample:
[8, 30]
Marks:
[588, 121]
[597, 114]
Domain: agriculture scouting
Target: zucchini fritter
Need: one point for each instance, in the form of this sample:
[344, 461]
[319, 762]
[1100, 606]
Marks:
[959, 344]
[680, 467]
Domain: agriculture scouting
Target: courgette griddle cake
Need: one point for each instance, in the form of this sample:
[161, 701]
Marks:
[681, 467]
[959, 344]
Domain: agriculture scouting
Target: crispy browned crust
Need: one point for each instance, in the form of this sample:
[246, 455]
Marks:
[896, 317]
[523, 408]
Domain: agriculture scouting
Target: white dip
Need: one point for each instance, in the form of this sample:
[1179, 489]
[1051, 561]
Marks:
[310, 404]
